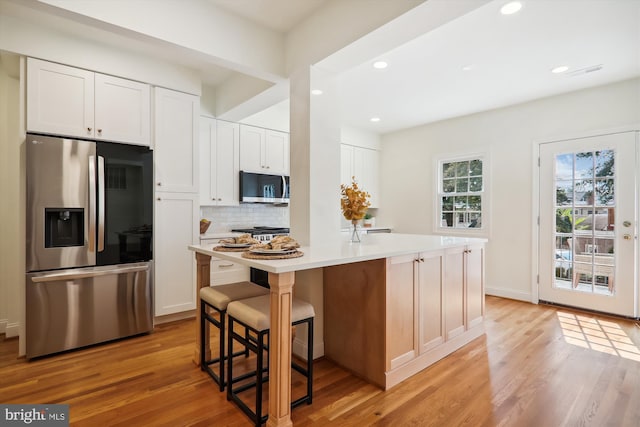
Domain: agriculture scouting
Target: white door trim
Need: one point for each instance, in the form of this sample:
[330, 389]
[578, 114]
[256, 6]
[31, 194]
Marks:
[535, 194]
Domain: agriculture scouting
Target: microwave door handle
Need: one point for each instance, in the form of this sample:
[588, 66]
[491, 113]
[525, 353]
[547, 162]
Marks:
[284, 188]
[100, 203]
[92, 204]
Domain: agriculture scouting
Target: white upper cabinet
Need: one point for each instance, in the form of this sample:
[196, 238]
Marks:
[122, 110]
[59, 99]
[264, 150]
[219, 162]
[176, 141]
[277, 152]
[363, 163]
[68, 101]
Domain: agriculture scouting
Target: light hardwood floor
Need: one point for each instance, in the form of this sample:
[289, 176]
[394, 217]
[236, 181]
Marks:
[536, 366]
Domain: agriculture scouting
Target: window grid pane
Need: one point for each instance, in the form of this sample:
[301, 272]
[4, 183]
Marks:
[461, 186]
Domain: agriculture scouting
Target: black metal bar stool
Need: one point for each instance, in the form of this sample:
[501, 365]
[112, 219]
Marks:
[253, 314]
[218, 298]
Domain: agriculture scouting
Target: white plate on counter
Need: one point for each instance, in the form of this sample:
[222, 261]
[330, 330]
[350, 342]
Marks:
[272, 251]
[235, 245]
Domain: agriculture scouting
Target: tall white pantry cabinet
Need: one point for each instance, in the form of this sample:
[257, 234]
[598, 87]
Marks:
[176, 206]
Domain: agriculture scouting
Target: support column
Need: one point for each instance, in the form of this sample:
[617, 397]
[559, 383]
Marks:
[281, 286]
[315, 157]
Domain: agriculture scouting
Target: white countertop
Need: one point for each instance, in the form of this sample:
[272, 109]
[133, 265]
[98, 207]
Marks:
[373, 246]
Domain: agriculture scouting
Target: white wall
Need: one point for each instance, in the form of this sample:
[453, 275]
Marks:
[359, 137]
[507, 135]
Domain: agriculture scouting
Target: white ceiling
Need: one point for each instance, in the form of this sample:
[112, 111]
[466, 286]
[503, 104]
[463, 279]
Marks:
[510, 56]
[278, 15]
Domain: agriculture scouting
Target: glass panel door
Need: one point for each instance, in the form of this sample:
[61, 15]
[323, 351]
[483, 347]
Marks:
[588, 223]
[585, 221]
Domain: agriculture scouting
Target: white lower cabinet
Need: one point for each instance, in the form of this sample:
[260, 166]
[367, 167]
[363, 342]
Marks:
[176, 225]
[223, 272]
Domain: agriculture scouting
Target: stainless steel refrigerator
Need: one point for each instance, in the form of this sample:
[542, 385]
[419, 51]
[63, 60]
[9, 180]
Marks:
[89, 243]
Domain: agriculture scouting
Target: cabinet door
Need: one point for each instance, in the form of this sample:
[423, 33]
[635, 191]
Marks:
[401, 311]
[59, 99]
[474, 285]
[365, 169]
[251, 147]
[176, 222]
[227, 164]
[370, 174]
[431, 331]
[346, 164]
[176, 141]
[277, 152]
[454, 310]
[206, 140]
[122, 110]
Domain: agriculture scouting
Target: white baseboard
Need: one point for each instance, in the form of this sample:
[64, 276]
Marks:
[508, 293]
[12, 330]
[3, 325]
[299, 348]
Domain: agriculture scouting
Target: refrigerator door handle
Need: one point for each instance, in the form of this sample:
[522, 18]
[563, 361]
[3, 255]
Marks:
[100, 203]
[92, 204]
[74, 275]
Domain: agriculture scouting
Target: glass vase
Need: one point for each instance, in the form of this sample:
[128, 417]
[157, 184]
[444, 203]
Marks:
[355, 235]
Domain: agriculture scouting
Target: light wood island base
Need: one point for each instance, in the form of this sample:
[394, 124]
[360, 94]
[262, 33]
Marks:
[387, 319]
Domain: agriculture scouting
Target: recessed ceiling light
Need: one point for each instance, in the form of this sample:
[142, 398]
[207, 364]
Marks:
[511, 8]
[380, 65]
[560, 69]
[469, 67]
[375, 119]
[316, 92]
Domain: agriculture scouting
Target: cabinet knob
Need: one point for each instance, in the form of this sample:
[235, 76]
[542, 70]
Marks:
[159, 184]
[219, 200]
[99, 131]
[89, 130]
[159, 198]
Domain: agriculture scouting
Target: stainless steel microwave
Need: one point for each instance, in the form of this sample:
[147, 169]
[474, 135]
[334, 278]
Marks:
[263, 188]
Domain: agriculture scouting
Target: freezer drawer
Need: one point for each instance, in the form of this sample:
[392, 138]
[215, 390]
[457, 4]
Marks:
[67, 309]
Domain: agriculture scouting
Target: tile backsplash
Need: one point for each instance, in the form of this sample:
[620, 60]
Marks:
[225, 218]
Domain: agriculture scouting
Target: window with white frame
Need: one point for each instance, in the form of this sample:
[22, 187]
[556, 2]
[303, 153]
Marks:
[461, 193]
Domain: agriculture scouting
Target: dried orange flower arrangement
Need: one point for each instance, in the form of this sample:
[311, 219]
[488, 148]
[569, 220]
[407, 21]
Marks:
[354, 202]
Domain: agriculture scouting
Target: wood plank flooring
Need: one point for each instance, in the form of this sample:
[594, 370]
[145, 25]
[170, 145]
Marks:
[536, 366]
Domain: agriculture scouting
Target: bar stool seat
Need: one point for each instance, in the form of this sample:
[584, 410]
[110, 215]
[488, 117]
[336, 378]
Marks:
[254, 314]
[218, 298]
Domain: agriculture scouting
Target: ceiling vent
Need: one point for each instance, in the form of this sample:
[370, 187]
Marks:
[585, 70]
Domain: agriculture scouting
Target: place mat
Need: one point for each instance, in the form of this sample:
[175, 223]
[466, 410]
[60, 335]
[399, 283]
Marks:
[250, 255]
[223, 249]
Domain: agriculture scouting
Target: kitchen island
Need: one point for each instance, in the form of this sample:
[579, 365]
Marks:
[394, 304]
